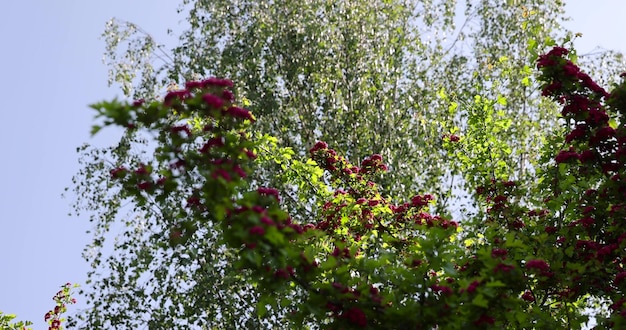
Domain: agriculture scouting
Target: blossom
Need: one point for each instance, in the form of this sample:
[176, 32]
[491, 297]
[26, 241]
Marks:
[216, 82]
[138, 103]
[503, 267]
[118, 172]
[189, 85]
[528, 296]
[145, 185]
[485, 319]
[181, 128]
[175, 96]
[269, 192]
[472, 287]
[619, 278]
[257, 230]
[320, 145]
[499, 253]
[565, 156]
[538, 264]
[356, 316]
[213, 101]
[241, 113]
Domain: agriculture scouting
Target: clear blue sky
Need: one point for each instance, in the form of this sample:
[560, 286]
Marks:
[51, 62]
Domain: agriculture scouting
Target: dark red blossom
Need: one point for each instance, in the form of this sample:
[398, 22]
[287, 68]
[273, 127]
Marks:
[269, 192]
[257, 230]
[576, 133]
[118, 172]
[221, 173]
[538, 264]
[181, 128]
[587, 156]
[499, 253]
[445, 290]
[213, 101]
[528, 296]
[216, 82]
[619, 278]
[175, 96]
[566, 155]
[472, 287]
[419, 200]
[239, 113]
[485, 319]
[212, 142]
[503, 268]
[356, 316]
[320, 145]
[145, 185]
[138, 103]
[189, 85]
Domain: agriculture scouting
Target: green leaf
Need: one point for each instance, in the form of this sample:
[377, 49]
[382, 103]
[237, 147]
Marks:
[480, 301]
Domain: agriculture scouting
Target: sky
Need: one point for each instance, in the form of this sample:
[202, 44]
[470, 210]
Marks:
[52, 67]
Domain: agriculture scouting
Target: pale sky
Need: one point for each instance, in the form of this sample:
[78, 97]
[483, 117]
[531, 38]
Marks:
[52, 67]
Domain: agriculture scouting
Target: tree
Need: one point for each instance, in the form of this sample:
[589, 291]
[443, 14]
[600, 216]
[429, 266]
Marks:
[367, 77]
[372, 263]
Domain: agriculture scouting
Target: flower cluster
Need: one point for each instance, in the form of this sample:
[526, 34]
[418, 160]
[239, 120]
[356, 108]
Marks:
[62, 299]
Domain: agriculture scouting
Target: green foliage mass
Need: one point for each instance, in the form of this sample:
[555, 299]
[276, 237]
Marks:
[395, 78]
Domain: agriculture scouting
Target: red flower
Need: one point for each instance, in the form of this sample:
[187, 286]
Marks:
[189, 85]
[485, 319]
[565, 156]
[503, 267]
[538, 264]
[257, 230]
[241, 113]
[499, 253]
[118, 172]
[472, 287]
[213, 101]
[356, 316]
[146, 185]
[216, 82]
[175, 95]
[619, 278]
[320, 145]
[269, 192]
[528, 296]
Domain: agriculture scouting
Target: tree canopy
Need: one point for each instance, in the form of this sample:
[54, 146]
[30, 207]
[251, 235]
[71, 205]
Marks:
[409, 103]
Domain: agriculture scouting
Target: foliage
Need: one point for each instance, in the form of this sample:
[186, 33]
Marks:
[369, 262]
[447, 107]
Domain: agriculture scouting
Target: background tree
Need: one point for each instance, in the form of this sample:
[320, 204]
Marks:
[390, 77]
